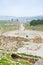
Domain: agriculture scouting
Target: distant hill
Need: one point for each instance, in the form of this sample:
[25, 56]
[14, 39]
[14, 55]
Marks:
[22, 19]
[7, 17]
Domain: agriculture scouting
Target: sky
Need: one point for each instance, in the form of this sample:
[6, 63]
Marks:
[20, 8]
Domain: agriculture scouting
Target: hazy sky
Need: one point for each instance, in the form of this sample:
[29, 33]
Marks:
[21, 7]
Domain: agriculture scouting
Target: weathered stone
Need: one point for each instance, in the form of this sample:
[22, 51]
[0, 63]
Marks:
[39, 62]
[37, 39]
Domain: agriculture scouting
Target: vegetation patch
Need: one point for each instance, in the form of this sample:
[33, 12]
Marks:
[8, 60]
